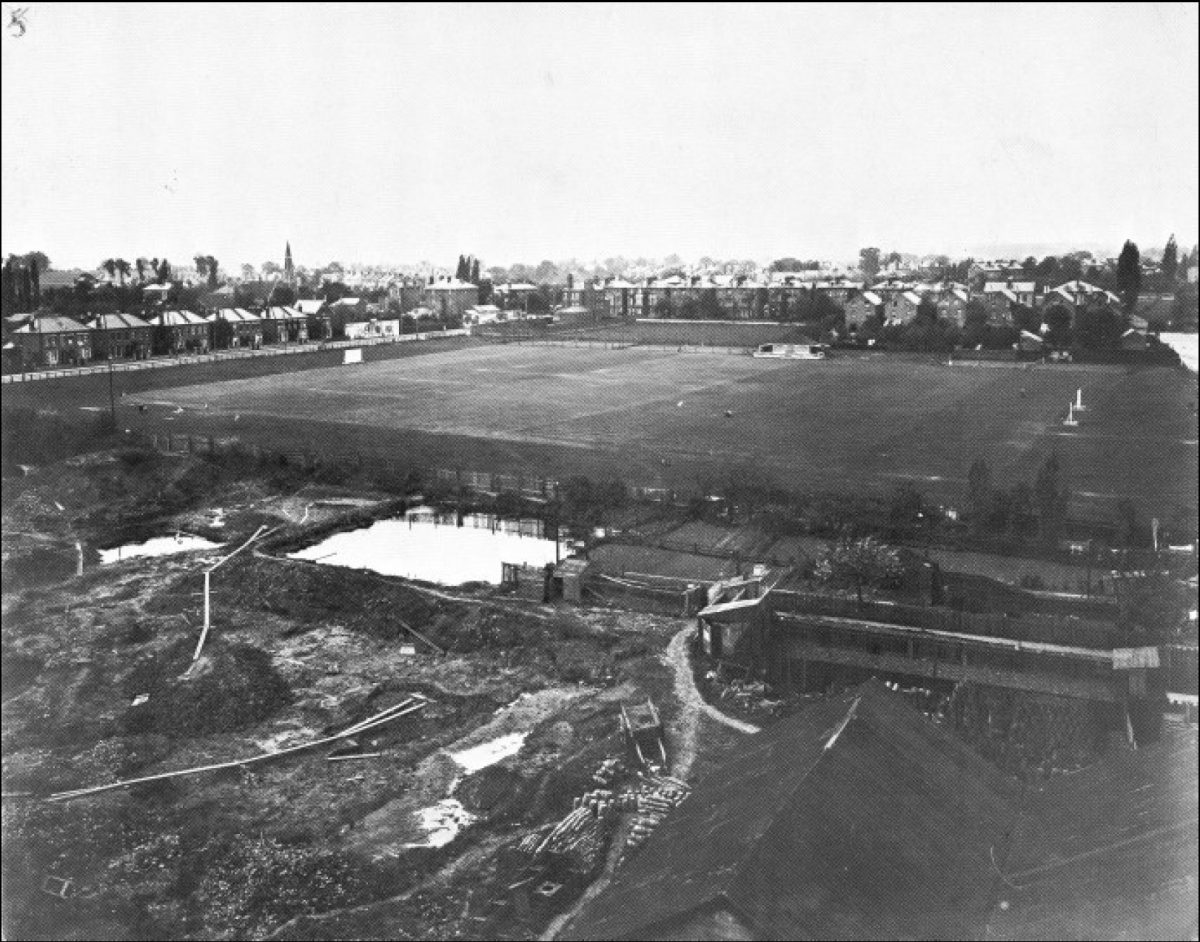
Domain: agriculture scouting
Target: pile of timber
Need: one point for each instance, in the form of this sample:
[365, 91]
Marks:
[582, 833]
[608, 771]
[653, 801]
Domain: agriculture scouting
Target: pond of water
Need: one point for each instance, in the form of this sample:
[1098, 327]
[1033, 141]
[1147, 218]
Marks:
[1186, 346]
[430, 546]
[489, 753]
[158, 546]
[442, 822]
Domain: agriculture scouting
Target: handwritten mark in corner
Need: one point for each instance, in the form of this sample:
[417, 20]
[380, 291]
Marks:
[16, 20]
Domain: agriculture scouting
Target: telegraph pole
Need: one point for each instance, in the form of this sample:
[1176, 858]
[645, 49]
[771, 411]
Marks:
[112, 399]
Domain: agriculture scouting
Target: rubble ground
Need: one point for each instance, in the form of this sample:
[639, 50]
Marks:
[100, 686]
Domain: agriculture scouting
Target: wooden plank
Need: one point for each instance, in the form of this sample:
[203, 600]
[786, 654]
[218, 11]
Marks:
[232, 764]
[413, 631]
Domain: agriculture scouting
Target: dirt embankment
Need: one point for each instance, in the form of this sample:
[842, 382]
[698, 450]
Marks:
[100, 686]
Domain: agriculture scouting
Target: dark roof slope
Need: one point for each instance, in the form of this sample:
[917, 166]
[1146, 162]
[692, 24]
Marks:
[859, 817]
[1108, 852]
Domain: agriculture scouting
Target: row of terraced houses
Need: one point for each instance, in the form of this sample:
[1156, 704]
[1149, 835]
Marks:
[51, 341]
[890, 301]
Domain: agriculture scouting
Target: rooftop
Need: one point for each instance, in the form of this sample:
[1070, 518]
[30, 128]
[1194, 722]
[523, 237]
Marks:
[180, 318]
[119, 321]
[856, 818]
[236, 314]
[861, 818]
[50, 324]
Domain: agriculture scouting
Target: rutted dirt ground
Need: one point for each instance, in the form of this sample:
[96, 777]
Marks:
[99, 686]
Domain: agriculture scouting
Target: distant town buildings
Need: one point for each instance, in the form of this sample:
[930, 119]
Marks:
[450, 298]
[48, 341]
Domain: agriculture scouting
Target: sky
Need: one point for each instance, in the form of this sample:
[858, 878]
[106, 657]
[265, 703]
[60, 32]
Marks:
[396, 133]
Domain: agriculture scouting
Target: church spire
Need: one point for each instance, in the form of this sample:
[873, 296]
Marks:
[289, 271]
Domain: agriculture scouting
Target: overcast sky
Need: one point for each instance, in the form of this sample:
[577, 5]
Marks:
[398, 134]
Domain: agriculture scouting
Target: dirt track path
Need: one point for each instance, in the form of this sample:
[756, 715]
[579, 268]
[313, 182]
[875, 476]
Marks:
[684, 732]
[692, 705]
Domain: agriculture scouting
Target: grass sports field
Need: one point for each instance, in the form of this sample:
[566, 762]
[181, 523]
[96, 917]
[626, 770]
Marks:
[658, 417]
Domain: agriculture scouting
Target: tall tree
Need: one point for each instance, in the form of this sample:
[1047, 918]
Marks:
[1129, 275]
[201, 265]
[9, 291]
[927, 311]
[1021, 512]
[868, 262]
[474, 279]
[1051, 496]
[110, 267]
[1058, 325]
[164, 271]
[975, 322]
[1170, 261]
[35, 284]
[211, 264]
[42, 259]
[1097, 327]
[979, 491]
